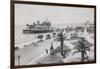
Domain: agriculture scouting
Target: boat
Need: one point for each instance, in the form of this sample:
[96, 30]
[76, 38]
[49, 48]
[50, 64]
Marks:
[38, 27]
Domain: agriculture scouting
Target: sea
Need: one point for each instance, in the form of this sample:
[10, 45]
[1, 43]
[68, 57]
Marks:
[21, 38]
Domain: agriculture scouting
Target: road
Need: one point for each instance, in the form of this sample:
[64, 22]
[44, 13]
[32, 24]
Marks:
[27, 54]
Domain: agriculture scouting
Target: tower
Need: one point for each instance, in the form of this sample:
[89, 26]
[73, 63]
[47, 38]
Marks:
[85, 33]
[85, 29]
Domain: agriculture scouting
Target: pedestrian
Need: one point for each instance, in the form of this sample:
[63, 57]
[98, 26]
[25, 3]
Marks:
[46, 51]
[34, 44]
[37, 44]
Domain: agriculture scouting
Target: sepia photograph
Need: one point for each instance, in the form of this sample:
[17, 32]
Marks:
[47, 34]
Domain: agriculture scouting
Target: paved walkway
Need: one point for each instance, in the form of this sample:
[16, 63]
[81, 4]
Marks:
[27, 54]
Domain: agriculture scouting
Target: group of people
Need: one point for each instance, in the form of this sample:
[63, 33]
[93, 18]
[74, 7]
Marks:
[34, 44]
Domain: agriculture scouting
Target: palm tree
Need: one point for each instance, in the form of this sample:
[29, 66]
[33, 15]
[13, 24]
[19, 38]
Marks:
[82, 47]
[61, 37]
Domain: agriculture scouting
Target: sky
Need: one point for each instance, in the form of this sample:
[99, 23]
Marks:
[27, 14]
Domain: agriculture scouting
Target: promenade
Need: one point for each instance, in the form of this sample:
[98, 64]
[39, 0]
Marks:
[37, 54]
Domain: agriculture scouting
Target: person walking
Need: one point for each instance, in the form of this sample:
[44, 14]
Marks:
[46, 51]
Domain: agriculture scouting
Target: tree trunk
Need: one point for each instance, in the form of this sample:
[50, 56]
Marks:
[82, 56]
[62, 45]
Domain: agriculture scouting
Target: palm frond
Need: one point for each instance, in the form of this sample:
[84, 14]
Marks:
[64, 34]
[81, 44]
[57, 39]
[75, 52]
[88, 49]
[77, 48]
[64, 37]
